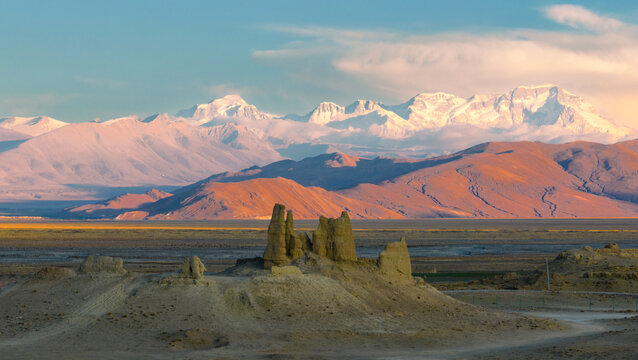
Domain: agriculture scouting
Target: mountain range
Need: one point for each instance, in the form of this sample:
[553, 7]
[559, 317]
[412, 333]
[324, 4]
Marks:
[48, 159]
[490, 180]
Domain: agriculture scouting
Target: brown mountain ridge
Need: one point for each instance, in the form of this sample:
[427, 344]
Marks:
[490, 180]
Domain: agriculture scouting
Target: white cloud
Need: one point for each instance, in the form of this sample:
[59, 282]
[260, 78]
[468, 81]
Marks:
[579, 17]
[599, 65]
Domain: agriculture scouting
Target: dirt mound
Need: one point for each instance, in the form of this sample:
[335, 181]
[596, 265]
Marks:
[94, 265]
[343, 306]
[53, 273]
[247, 267]
[608, 259]
[196, 339]
[285, 271]
[605, 269]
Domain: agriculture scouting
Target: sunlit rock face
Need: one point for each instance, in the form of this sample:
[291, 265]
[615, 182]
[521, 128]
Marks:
[275, 254]
[284, 244]
[339, 238]
[394, 261]
[193, 268]
[334, 240]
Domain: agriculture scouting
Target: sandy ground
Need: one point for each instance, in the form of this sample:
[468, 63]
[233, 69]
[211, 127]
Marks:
[332, 313]
[608, 339]
[329, 312]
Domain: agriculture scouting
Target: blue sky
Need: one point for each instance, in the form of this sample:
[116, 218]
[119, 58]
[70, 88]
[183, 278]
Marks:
[77, 61]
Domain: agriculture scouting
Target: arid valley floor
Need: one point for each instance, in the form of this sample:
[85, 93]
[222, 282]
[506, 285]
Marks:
[490, 308]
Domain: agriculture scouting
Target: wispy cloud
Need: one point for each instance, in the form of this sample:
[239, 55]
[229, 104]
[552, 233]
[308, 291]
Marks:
[339, 34]
[579, 17]
[291, 51]
[600, 62]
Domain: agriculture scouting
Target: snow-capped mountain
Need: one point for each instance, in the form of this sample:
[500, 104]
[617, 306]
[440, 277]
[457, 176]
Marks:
[429, 123]
[228, 107]
[11, 135]
[73, 161]
[539, 106]
[228, 134]
[526, 108]
[32, 126]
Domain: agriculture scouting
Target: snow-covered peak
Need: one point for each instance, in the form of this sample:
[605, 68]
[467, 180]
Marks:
[427, 110]
[163, 117]
[33, 126]
[230, 100]
[130, 118]
[538, 89]
[326, 112]
[524, 109]
[238, 136]
[536, 109]
[362, 107]
[229, 106]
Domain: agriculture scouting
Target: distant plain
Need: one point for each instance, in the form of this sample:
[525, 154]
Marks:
[448, 245]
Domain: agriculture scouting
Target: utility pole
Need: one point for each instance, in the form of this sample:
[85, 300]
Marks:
[547, 272]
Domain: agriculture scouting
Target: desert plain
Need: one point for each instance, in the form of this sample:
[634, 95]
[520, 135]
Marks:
[470, 295]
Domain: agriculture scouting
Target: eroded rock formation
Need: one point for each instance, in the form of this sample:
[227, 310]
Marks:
[284, 244]
[275, 253]
[320, 237]
[340, 240]
[295, 245]
[102, 265]
[394, 261]
[193, 268]
[334, 240]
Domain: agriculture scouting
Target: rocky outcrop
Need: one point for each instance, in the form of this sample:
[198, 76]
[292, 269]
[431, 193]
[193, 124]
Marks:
[340, 239]
[102, 265]
[53, 273]
[394, 262]
[306, 242]
[320, 237]
[193, 268]
[275, 253]
[334, 239]
[284, 244]
[612, 247]
[295, 245]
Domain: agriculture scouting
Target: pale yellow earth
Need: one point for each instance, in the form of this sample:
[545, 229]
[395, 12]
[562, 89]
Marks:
[330, 311]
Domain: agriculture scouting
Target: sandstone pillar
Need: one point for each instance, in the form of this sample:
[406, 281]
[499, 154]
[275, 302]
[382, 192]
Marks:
[275, 253]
